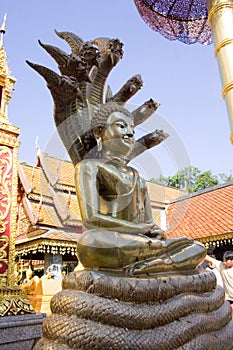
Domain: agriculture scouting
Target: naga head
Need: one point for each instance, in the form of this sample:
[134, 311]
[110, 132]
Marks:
[110, 48]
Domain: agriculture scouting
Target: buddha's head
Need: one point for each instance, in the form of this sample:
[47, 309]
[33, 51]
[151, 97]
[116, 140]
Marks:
[113, 128]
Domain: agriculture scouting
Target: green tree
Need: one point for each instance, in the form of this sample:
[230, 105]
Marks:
[190, 179]
[225, 177]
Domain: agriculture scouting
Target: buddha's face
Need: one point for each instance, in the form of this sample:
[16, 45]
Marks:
[118, 134]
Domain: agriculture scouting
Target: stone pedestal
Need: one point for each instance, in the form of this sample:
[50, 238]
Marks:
[20, 332]
[182, 311]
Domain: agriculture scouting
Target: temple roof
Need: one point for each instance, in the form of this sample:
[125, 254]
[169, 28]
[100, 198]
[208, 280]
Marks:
[206, 215]
[50, 194]
[49, 213]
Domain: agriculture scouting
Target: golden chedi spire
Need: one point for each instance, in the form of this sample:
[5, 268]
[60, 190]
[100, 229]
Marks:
[6, 80]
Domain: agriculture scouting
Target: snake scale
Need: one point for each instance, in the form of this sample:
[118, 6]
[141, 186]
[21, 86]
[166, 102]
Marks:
[98, 311]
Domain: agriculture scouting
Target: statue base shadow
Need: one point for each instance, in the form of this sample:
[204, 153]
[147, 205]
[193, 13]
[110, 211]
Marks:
[97, 311]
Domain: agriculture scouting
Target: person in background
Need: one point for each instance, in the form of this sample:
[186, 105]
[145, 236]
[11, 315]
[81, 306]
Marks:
[225, 269]
[214, 270]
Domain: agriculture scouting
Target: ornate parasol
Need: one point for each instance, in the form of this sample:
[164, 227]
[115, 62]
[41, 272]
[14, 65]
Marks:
[183, 20]
[202, 21]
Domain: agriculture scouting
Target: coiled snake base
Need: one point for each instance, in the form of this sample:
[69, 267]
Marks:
[98, 311]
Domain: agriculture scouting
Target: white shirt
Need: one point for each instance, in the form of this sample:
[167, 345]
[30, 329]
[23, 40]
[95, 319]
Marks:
[227, 277]
[217, 275]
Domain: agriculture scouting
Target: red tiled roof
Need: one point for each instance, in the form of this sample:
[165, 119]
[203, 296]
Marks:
[204, 216]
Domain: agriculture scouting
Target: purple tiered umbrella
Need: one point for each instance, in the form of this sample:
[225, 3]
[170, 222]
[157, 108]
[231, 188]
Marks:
[183, 20]
[202, 21]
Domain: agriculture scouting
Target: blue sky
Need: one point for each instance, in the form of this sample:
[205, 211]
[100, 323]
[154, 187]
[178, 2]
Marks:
[184, 79]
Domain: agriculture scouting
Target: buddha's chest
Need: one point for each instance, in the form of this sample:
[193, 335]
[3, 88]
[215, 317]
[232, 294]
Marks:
[122, 184]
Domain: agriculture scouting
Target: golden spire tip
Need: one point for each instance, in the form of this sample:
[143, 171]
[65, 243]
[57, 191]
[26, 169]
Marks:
[3, 26]
[2, 30]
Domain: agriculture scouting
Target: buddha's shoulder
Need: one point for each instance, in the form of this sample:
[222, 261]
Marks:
[91, 165]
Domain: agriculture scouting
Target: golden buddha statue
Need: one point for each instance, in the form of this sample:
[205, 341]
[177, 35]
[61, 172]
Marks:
[119, 230]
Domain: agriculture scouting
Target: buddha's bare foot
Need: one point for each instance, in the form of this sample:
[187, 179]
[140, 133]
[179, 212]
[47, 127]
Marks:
[153, 265]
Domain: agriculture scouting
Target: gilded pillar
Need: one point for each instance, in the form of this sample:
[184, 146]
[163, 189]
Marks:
[12, 300]
[8, 202]
[221, 22]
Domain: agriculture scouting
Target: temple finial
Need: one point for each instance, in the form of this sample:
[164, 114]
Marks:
[3, 30]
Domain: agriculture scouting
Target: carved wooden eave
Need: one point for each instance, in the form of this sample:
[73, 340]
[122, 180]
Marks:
[47, 243]
[218, 240]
